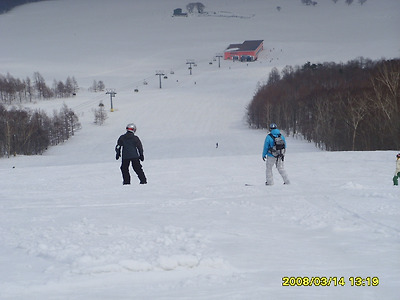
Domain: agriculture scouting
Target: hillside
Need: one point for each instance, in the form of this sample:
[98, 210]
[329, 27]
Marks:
[7, 5]
[70, 230]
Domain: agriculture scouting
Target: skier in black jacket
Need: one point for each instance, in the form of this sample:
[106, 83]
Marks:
[132, 151]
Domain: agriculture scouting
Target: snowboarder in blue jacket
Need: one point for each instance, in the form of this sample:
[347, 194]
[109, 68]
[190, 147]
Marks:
[132, 152]
[274, 154]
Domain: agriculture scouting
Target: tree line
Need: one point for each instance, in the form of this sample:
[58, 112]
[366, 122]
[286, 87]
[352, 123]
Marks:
[7, 5]
[29, 132]
[348, 2]
[16, 90]
[352, 106]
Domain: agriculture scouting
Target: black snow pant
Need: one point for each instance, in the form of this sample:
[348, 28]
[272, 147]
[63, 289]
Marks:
[137, 167]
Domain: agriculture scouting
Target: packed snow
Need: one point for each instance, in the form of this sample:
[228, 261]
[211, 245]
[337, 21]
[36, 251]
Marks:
[205, 226]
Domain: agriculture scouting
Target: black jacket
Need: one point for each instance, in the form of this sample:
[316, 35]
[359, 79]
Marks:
[131, 146]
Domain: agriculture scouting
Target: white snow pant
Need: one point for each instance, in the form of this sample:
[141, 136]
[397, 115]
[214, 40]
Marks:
[271, 161]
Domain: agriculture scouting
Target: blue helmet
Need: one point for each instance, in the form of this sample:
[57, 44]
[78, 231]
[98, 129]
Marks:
[273, 126]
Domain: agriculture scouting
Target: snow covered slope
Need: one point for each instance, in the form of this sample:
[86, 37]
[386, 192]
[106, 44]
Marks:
[70, 230]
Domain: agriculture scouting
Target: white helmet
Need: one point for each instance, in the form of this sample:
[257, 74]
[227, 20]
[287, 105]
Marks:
[131, 127]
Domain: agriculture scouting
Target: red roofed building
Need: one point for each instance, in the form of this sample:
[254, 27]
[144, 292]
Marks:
[248, 51]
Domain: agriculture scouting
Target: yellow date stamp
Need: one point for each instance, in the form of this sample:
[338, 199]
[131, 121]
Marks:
[330, 281]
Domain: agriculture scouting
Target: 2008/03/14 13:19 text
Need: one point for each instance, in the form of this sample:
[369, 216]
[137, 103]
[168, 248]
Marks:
[330, 281]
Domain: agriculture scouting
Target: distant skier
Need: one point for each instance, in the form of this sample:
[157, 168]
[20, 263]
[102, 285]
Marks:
[132, 152]
[397, 172]
[274, 154]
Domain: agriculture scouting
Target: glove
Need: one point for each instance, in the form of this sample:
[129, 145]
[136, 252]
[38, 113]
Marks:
[141, 157]
[263, 158]
[117, 152]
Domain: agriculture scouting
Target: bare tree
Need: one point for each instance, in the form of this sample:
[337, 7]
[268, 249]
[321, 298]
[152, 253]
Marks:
[100, 114]
[97, 86]
[70, 87]
[386, 85]
[101, 86]
[354, 109]
[309, 2]
[94, 86]
[40, 84]
[195, 5]
[200, 7]
[29, 88]
[274, 76]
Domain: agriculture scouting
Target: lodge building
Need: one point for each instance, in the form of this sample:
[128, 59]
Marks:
[247, 51]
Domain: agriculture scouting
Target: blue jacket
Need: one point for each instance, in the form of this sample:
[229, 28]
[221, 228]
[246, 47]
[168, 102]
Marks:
[269, 142]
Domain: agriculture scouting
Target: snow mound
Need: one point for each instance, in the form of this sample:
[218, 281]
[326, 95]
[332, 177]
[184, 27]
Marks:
[88, 248]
